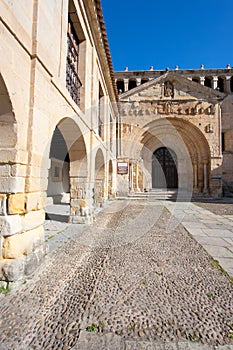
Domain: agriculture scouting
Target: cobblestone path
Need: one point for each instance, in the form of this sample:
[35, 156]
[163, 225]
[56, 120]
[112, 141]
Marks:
[127, 282]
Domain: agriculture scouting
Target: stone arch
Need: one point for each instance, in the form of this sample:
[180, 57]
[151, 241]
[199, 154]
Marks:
[208, 81]
[99, 177]
[68, 170]
[190, 146]
[231, 84]
[196, 79]
[132, 84]
[144, 80]
[120, 86]
[8, 129]
[221, 84]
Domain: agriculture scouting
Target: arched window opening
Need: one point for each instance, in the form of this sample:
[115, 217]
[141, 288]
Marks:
[196, 79]
[231, 84]
[221, 84]
[132, 84]
[120, 86]
[208, 82]
[144, 81]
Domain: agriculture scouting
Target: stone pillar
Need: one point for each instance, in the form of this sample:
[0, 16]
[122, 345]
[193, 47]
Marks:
[215, 82]
[126, 84]
[137, 173]
[138, 81]
[228, 84]
[195, 178]
[205, 189]
[202, 80]
[131, 175]
[80, 200]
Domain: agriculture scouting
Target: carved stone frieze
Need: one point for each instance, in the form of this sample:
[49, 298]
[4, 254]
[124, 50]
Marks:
[167, 108]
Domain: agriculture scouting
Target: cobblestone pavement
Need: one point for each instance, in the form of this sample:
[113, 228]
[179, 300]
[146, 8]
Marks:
[134, 280]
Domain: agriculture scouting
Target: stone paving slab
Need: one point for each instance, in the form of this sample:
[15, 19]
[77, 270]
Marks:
[220, 242]
[218, 232]
[92, 341]
[213, 232]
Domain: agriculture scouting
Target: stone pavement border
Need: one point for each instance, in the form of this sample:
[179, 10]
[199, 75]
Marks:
[213, 232]
[110, 341]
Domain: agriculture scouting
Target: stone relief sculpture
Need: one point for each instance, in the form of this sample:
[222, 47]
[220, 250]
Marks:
[168, 89]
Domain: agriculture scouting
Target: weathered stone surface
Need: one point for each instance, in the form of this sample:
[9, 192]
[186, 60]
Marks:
[5, 170]
[22, 244]
[3, 209]
[17, 203]
[32, 219]
[12, 184]
[12, 269]
[10, 225]
[34, 259]
[35, 201]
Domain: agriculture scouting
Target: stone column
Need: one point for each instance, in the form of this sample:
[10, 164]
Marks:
[138, 81]
[80, 200]
[137, 173]
[205, 190]
[228, 85]
[202, 80]
[215, 82]
[131, 182]
[126, 84]
[195, 178]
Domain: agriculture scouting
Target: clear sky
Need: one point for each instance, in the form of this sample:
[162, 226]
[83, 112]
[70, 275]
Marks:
[165, 33]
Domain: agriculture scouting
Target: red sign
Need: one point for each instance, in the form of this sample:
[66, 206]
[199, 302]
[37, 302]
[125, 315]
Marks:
[122, 168]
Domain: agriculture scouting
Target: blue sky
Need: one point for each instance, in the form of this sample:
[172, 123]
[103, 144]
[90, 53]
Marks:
[187, 33]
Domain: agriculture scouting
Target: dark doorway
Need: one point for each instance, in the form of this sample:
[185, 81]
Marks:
[164, 169]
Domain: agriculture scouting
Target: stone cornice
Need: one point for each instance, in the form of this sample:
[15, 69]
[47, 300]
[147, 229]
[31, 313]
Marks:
[95, 16]
[206, 91]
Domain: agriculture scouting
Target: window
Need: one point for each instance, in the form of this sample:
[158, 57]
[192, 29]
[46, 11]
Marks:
[132, 84]
[73, 82]
[196, 80]
[120, 86]
[144, 81]
[101, 113]
[221, 84]
[208, 82]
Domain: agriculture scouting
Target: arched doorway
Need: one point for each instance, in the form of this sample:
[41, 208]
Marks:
[164, 168]
[191, 148]
[68, 177]
[58, 181]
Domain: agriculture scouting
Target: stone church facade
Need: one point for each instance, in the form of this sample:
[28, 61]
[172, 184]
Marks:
[177, 130]
[57, 121]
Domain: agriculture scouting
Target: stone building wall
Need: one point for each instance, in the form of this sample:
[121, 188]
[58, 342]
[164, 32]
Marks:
[36, 98]
[218, 131]
[170, 109]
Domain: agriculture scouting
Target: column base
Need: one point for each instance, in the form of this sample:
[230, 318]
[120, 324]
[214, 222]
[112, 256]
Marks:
[12, 270]
[78, 219]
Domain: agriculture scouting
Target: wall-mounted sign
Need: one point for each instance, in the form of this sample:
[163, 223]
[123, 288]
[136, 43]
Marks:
[122, 168]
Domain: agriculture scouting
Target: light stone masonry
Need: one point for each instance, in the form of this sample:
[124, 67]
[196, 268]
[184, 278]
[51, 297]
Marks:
[15, 246]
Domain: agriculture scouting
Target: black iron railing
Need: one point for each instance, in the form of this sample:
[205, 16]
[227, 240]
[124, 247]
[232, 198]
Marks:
[73, 83]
